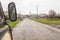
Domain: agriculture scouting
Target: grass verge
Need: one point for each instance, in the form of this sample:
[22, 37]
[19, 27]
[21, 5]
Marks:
[47, 21]
[12, 24]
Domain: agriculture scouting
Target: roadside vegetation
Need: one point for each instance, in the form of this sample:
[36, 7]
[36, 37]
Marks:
[47, 21]
[12, 24]
[51, 18]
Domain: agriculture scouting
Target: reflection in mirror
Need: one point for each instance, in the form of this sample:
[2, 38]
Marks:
[12, 11]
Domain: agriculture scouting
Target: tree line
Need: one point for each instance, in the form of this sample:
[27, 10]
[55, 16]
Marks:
[53, 14]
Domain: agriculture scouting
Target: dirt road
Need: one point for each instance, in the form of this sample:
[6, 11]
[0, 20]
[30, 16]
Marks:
[31, 30]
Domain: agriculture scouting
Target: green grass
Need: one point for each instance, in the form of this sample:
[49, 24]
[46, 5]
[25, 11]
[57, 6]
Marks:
[49, 21]
[12, 24]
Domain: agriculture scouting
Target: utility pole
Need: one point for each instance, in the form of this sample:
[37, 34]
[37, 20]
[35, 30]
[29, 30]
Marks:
[30, 13]
[37, 11]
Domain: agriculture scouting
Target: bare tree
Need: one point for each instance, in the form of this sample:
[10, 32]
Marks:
[52, 14]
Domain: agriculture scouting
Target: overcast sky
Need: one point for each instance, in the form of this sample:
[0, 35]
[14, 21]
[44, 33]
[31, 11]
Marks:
[24, 6]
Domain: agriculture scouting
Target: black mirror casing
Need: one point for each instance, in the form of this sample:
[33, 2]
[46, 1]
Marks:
[12, 11]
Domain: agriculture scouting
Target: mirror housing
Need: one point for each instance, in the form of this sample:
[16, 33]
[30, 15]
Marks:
[12, 11]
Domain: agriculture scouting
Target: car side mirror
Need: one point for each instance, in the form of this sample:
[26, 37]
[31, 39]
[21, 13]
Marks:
[12, 11]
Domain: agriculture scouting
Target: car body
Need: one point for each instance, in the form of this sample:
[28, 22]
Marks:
[5, 33]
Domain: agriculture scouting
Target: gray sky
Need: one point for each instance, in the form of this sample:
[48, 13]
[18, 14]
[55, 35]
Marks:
[25, 5]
